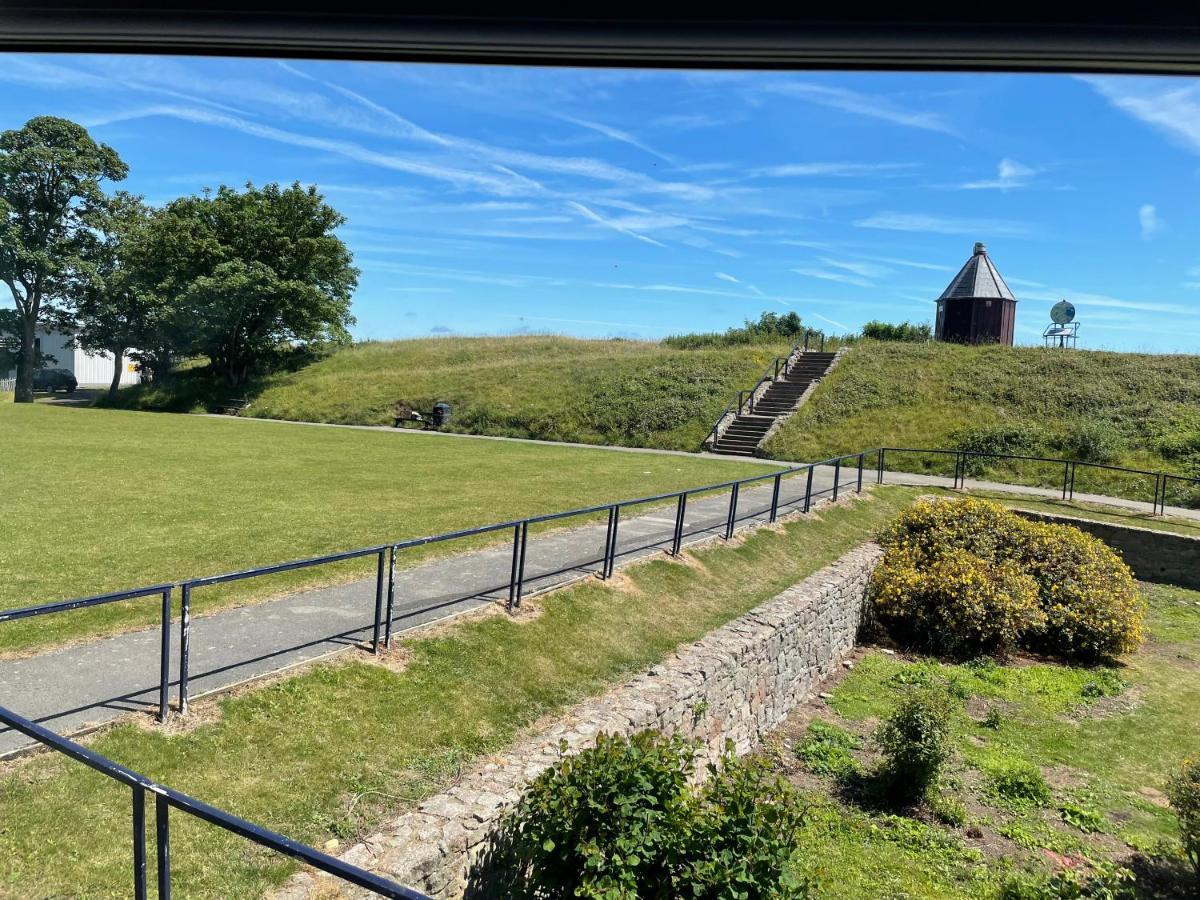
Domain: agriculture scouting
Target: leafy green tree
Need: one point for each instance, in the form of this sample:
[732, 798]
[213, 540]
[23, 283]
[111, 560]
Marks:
[51, 202]
[249, 274]
[114, 309]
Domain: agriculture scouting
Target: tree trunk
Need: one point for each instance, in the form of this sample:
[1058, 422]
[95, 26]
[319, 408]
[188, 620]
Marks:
[118, 362]
[26, 362]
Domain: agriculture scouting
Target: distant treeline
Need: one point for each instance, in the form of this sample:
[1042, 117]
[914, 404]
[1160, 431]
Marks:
[773, 328]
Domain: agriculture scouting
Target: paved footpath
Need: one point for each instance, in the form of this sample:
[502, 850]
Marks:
[75, 688]
[78, 687]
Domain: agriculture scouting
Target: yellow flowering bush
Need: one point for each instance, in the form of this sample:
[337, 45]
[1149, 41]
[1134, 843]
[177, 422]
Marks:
[957, 603]
[966, 576]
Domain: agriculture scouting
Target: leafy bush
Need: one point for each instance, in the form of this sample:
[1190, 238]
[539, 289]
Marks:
[1084, 818]
[964, 576]
[958, 604]
[621, 821]
[1012, 438]
[1183, 790]
[1016, 783]
[769, 327]
[948, 809]
[1107, 882]
[904, 331]
[1092, 441]
[915, 740]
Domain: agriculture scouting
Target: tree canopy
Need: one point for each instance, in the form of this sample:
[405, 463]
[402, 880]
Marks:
[51, 206]
[249, 273]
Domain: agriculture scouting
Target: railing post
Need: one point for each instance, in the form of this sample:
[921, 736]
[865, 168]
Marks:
[139, 842]
[379, 591]
[822, 342]
[1071, 488]
[610, 561]
[807, 334]
[391, 598]
[837, 476]
[680, 511]
[608, 533]
[775, 497]
[1066, 478]
[162, 831]
[521, 563]
[879, 467]
[860, 472]
[808, 490]
[733, 500]
[1160, 493]
[960, 469]
[512, 581]
[185, 641]
[164, 662]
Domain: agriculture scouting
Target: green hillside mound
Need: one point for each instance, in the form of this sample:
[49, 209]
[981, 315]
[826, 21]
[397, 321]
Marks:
[1132, 409]
[625, 393]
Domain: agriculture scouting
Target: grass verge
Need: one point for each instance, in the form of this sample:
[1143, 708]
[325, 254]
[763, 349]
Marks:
[333, 752]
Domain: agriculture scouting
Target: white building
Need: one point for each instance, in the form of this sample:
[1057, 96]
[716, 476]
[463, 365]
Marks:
[88, 368]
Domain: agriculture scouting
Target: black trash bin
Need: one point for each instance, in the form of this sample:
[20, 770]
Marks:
[440, 417]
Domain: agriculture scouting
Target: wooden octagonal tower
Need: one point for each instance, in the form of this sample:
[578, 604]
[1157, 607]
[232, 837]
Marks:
[977, 307]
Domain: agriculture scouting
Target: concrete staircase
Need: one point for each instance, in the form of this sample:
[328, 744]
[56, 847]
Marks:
[754, 418]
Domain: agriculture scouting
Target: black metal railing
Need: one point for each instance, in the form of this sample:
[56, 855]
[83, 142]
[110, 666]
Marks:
[166, 798]
[966, 460]
[744, 399]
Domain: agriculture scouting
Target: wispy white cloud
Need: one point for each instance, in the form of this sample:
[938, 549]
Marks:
[1009, 174]
[619, 135]
[862, 269]
[912, 264]
[874, 106]
[834, 322]
[1171, 106]
[603, 322]
[1149, 220]
[724, 276]
[594, 216]
[918, 222]
[827, 275]
[833, 169]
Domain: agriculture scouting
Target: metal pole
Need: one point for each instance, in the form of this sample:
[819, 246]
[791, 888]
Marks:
[775, 498]
[185, 640]
[822, 342]
[806, 336]
[860, 472]
[680, 511]
[164, 662]
[162, 829]
[879, 478]
[1066, 478]
[512, 581]
[139, 842]
[1071, 489]
[733, 499]
[612, 518]
[960, 470]
[837, 476]
[521, 561]
[611, 562]
[378, 627]
[808, 490]
[1160, 493]
[391, 598]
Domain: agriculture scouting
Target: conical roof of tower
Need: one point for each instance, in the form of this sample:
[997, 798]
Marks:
[978, 278]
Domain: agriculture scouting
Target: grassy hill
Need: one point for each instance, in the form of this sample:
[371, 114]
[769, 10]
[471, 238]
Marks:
[1132, 409]
[625, 393]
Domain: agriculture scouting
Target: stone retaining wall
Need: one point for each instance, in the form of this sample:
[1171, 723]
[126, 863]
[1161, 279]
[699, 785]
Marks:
[736, 683]
[1158, 556]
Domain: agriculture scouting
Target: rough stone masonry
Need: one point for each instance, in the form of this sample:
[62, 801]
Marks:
[736, 683]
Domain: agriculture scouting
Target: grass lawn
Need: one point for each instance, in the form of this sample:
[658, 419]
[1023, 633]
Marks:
[628, 393]
[103, 500]
[1104, 741]
[929, 395]
[336, 750]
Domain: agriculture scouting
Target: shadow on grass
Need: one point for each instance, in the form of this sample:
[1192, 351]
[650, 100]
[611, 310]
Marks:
[1159, 877]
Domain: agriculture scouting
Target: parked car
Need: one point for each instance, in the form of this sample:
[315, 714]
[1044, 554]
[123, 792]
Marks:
[54, 380]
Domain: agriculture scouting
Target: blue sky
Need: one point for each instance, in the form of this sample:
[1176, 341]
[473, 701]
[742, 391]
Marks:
[642, 203]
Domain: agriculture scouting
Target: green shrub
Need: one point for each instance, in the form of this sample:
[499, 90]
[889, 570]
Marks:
[904, 331]
[1084, 818]
[1107, 882]
[826, 750]
[1183, 790]
[1017, 439]
[915, 740]
[1016, 783]
[948, 809]
[620, 820]
[967, 576]
[1092, 441]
